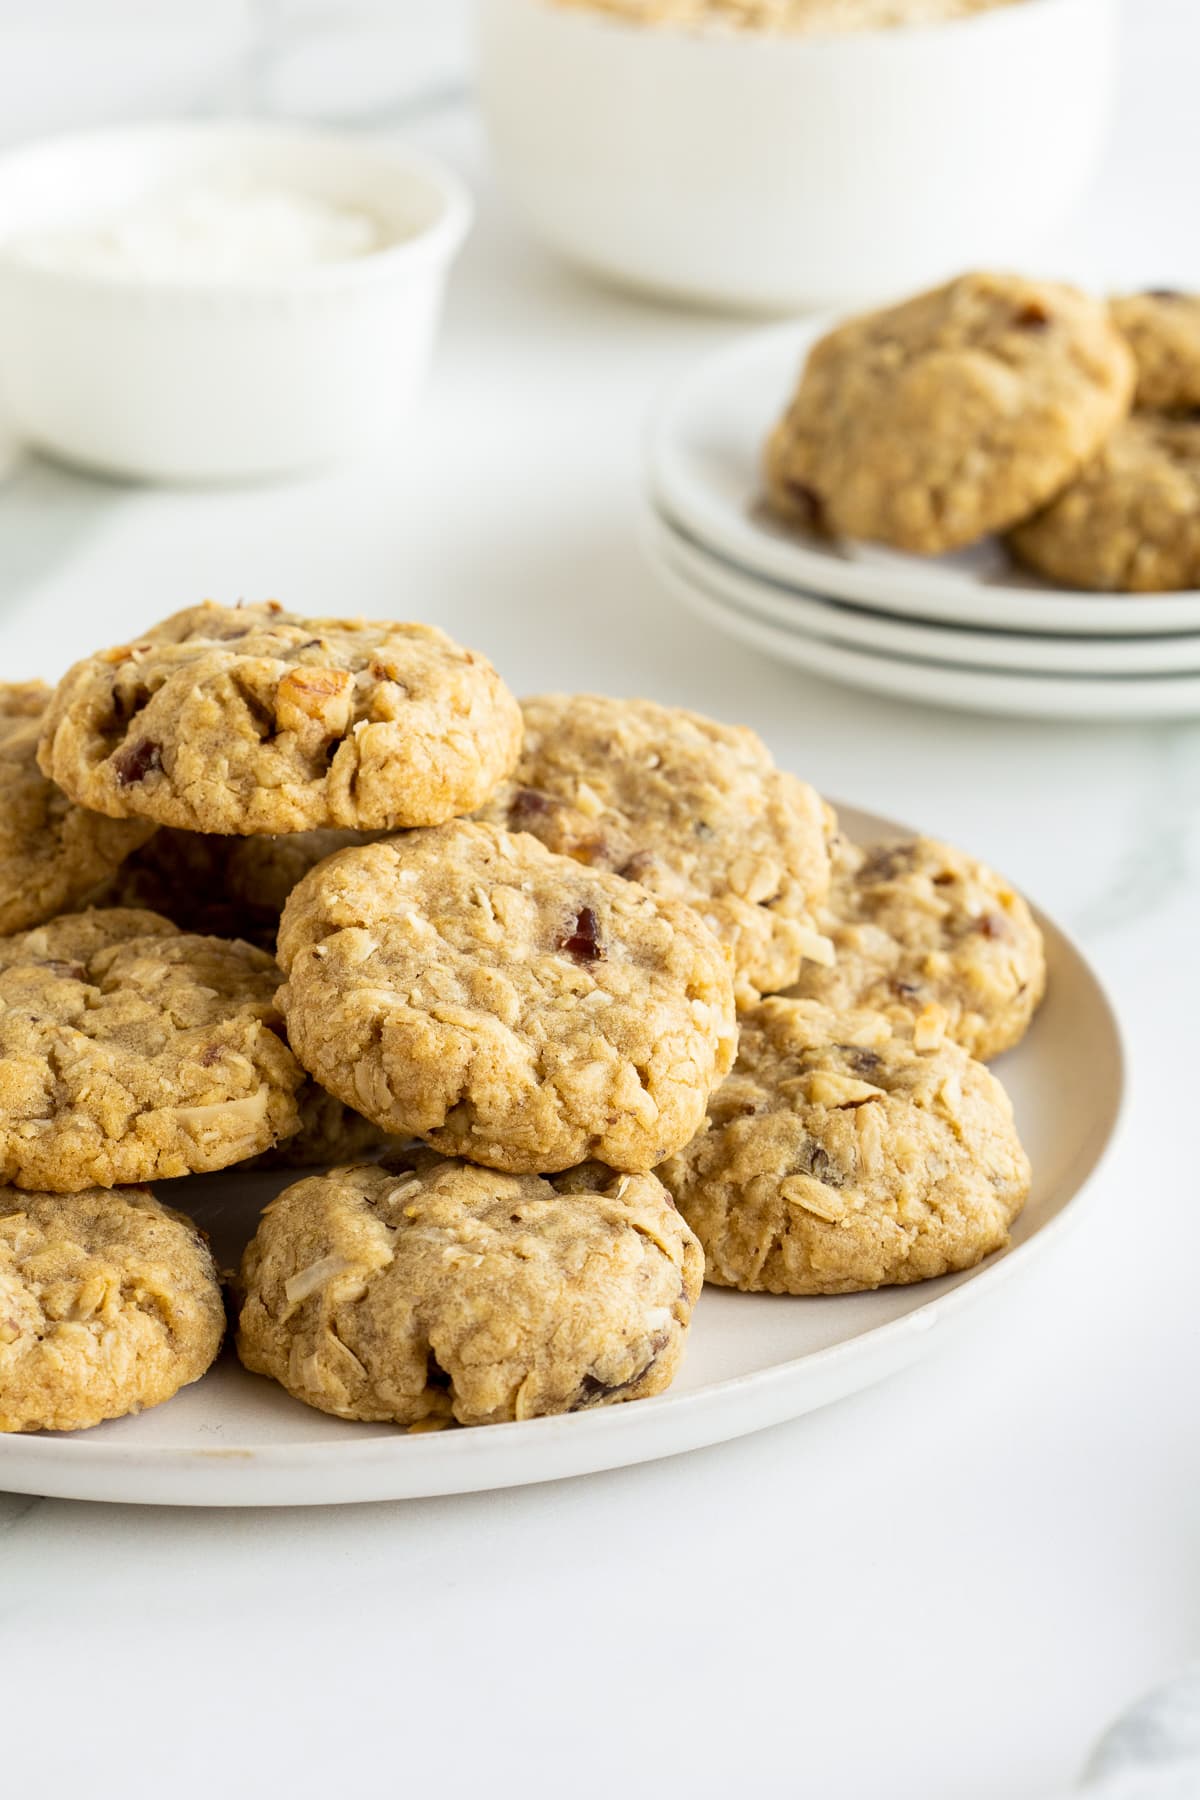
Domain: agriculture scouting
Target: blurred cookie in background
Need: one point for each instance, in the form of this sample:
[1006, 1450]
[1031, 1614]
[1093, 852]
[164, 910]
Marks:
[1162, 328]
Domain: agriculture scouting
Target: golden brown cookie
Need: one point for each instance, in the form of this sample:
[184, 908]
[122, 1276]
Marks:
[1131, 522]
[329, 1133]
[1162, 328]
[929, 424]
[252, 720]
[109, 1303]
[423, 1290]
[467, 986]
[838, 1156]
[52, 852]
[690, 809]
[221, 886]
[923, 932]
[130, 1051]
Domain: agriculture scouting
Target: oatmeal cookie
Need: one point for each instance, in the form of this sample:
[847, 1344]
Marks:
[929, 424]
[1131, 522]
[130, 1050]
[690, 809]
[250, 719]
[109, 1303]
[425, 1290]
[838, 1156]
[924, 932]
[221, 886]
[1162, 329]
[329, 1133]
[52, 852]
[469, 987]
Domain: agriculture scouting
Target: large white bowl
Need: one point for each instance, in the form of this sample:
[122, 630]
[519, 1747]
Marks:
[773, 173]
[222, 378]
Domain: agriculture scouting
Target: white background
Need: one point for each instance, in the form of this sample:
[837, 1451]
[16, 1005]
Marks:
[941, 1590]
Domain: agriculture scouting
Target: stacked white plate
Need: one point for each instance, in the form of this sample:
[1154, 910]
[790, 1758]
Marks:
[969, 631]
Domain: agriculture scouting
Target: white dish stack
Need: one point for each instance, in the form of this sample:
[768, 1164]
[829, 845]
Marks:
[969, 631]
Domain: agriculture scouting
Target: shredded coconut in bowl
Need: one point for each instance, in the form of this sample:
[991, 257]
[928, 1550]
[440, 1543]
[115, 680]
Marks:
[209, 232]
[793, 18]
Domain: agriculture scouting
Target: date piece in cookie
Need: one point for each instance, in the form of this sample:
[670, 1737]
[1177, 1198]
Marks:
[468, 986]
[926, 933]
[1131, 522]
[838, 1157]
[250, 719]
[929, 424]
[109, 1303]
[1162, 328]
[690, 809]
[52, 852]
[129, 1051]
[220, 886]
[425, 1290]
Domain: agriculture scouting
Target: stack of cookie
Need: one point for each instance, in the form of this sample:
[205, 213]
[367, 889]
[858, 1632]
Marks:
[517, 948]
[996, 404]
[1131, 522]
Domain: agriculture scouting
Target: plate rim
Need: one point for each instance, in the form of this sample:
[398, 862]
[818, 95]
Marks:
[1052, 699]
[82, 1466]
[770, 600]
[949, 596]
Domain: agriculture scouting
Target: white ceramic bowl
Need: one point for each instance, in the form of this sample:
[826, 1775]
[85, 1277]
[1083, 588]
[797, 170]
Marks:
[225, 377]
[773, 173]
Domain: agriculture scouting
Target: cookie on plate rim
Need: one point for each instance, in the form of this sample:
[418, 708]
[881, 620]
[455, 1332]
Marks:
[956, 413]
[109, 1303]
[839, 1157]
[425, 1290]
[1162, 328]
[1130, 523]
[924, 932]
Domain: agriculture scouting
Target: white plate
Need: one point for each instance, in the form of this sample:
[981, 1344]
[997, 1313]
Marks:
[855, 626]
[960, 687]
[237, 1440]
[705, 451]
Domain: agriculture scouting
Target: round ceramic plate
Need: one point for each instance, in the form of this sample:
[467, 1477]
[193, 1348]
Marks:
[753, 1359]
[1005, 652]
[705, 452]
[955, 685]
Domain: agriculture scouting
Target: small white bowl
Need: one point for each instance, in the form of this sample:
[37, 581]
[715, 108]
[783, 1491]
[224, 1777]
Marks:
[773, 173]
[224, 377]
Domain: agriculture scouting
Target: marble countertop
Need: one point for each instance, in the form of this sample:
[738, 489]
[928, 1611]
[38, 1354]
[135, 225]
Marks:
[940, 1589]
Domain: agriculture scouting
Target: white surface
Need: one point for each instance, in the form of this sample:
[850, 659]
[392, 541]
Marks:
[785, 172]
[944, 1588]
[959, 687]
[704, 456]
[752, 1361]
[977, 646]
[218, 376]
[1153, 1751]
